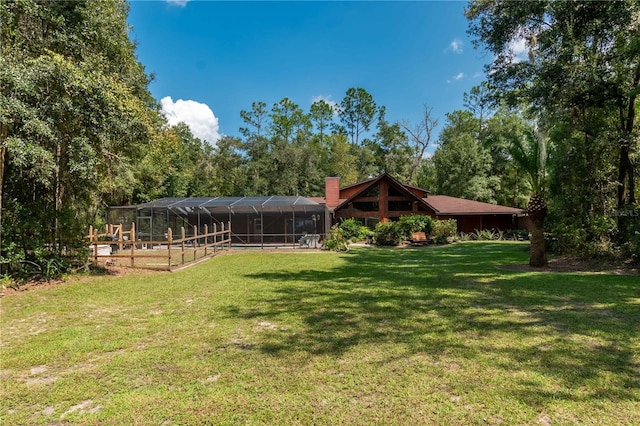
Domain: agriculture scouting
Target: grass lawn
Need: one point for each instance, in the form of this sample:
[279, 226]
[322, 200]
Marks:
[374, 336]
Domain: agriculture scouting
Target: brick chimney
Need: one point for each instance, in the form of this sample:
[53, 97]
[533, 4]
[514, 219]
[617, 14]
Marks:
[332, 191]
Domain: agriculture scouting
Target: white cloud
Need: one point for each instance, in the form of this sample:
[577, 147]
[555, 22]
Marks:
[456, 77]
[519, 50]
[198, 116]
[334, 105]
[456, 46]
[181, 3]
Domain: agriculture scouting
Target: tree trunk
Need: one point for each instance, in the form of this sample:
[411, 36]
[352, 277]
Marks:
[538, 251]
[537, 212]
[626, 182]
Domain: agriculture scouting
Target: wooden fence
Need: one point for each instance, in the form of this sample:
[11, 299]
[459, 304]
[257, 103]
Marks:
[118, 247]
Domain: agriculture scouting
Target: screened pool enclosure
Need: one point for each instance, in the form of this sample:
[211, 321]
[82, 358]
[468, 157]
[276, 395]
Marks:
[255, 221]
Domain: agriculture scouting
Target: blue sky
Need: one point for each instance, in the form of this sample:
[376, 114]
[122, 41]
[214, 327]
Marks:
[212, 59]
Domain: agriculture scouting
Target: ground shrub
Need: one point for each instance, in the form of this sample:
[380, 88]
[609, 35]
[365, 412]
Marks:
[39, 263]
[629, 235]
[464, 236]
[409, 224]
[353, 230]
[592, 240]
[336, 240]
[631, 247]
[566, 239]
[489, 235]
[387, 234]
[516, 234]
[444, 231]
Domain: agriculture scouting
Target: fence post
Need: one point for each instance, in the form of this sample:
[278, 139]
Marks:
[169, 239]
[90, 237]
[182, 244]
[229, 236]
[94, 239]
[222, 239]
[206, 238]
[133, 244]
[195, 242]
[121, 238]
[215, 237]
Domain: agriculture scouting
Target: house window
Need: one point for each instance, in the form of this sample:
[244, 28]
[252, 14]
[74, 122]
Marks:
[366, 206]
[399, 206]
[373, 192]
[394, 192]
[371, 222]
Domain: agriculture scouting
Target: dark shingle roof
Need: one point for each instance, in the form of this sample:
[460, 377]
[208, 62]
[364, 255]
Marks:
[445, 205]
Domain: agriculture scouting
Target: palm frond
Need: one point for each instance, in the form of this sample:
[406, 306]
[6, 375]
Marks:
[529, 152]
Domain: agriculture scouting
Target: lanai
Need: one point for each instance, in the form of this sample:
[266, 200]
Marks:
[254, 220]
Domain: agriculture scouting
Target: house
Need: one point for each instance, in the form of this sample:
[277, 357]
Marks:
[384, 198]
[283, 220]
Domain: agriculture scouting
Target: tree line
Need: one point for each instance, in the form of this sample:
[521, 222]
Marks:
[556, 130]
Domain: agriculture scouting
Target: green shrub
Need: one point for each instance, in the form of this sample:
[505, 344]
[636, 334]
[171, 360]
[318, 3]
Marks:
[489, 235]
[463, 236]
[353, 230]
[409, 224]
[566, 239]
[387, 234]
[631, 247]
[444, 230]
[336, 240]
[516, 234]
[39, 263]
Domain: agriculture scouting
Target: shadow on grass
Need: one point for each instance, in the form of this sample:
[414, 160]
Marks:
[573, 329]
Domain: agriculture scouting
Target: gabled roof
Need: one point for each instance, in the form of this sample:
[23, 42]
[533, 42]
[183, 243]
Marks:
[365, 185]
[445, 205]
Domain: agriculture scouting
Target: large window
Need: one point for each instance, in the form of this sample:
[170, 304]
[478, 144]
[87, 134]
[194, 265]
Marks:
[393, 192]
[400, 206]
[366, 206]
[373, 192]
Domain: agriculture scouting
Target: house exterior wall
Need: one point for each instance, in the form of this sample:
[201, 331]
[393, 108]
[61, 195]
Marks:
[472, 223]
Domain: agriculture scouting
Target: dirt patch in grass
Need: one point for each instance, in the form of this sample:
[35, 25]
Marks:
[576, 264]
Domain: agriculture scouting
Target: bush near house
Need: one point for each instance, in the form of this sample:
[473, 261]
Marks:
[443, 230]
[409, 224]
[387, 234]
[336, 241]
[392, 233]
[353, 230]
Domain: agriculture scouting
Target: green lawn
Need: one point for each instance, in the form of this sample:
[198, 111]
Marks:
[374, 336]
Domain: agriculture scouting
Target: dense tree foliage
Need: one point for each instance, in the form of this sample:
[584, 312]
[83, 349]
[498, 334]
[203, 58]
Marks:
[79, 129]
[461, 163]
[290, 151]
[75, 111]
[473, 161]
[581, 80]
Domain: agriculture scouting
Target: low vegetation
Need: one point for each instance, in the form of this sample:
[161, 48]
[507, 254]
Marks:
[435, 335]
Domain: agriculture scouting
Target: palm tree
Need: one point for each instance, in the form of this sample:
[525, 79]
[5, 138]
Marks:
[530, 155]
